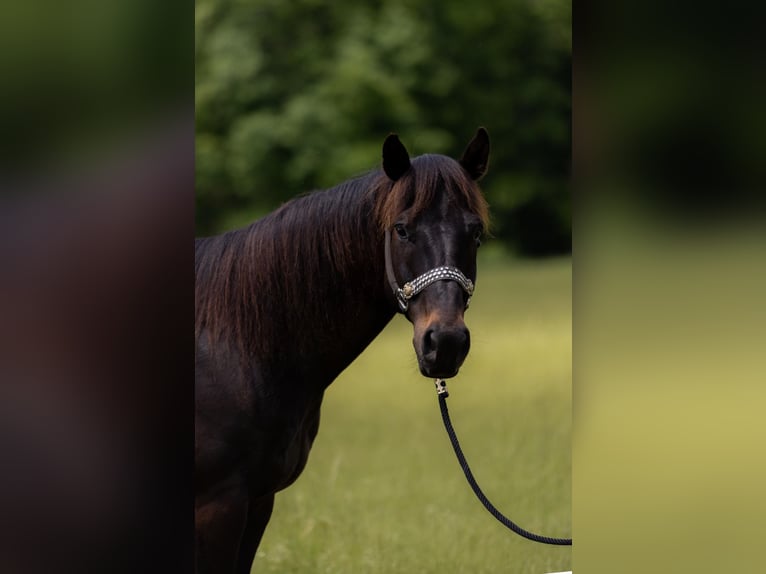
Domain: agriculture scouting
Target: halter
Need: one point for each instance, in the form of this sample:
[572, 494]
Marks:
[412, 288]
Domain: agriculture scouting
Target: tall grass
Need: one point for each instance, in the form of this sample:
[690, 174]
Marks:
[382, 491]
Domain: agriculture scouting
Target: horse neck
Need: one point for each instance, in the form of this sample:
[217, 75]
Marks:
[335, 302]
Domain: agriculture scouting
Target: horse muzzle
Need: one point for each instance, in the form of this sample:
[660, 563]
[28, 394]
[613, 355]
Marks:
[441, 350]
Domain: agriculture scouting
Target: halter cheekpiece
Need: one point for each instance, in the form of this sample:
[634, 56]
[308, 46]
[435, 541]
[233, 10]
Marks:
[411, 288]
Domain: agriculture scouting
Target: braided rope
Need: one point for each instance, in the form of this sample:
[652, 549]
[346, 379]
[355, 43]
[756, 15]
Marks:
[441, 389]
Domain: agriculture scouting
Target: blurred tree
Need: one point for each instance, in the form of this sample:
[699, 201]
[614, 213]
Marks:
[296, 96]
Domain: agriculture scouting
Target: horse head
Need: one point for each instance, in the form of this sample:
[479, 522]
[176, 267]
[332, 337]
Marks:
[433, 218]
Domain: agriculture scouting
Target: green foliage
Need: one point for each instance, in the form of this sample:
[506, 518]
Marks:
[294, 96]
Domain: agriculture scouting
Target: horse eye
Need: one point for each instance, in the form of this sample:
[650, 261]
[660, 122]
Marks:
[401, 231]
[477, 237]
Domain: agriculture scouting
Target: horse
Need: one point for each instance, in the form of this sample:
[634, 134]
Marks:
[284, 305]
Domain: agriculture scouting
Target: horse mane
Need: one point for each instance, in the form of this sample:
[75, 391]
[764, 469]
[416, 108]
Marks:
[293, 267]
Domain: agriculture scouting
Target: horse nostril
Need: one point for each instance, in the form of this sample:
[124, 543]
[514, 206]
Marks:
[443, 350]
[446, 343]
[428, 342]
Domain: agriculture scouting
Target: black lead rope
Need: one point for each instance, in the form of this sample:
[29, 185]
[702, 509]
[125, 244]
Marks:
[441, 391]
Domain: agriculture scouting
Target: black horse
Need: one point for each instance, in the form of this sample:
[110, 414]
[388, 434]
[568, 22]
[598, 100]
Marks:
[286, 304]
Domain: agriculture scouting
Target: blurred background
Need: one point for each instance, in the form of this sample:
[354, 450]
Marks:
[670, 317]
[295, 96]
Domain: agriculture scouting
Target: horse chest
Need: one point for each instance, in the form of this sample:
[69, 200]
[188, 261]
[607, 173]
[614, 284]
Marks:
[283, 450]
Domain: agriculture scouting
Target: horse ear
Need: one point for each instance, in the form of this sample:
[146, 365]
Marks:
[476, 156]
[396, 160]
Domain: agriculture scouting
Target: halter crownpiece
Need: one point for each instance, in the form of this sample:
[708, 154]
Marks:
[411, 288]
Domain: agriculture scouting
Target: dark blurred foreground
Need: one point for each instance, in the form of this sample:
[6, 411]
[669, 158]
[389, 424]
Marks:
[96, 221]
[95, 392]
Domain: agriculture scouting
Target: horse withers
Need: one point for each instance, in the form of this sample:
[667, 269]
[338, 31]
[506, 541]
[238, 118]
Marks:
[287, 303]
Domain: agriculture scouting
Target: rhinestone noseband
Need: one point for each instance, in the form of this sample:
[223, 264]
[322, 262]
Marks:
[411, 288]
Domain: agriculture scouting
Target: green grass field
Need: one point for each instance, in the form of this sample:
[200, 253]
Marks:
[383, 492]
